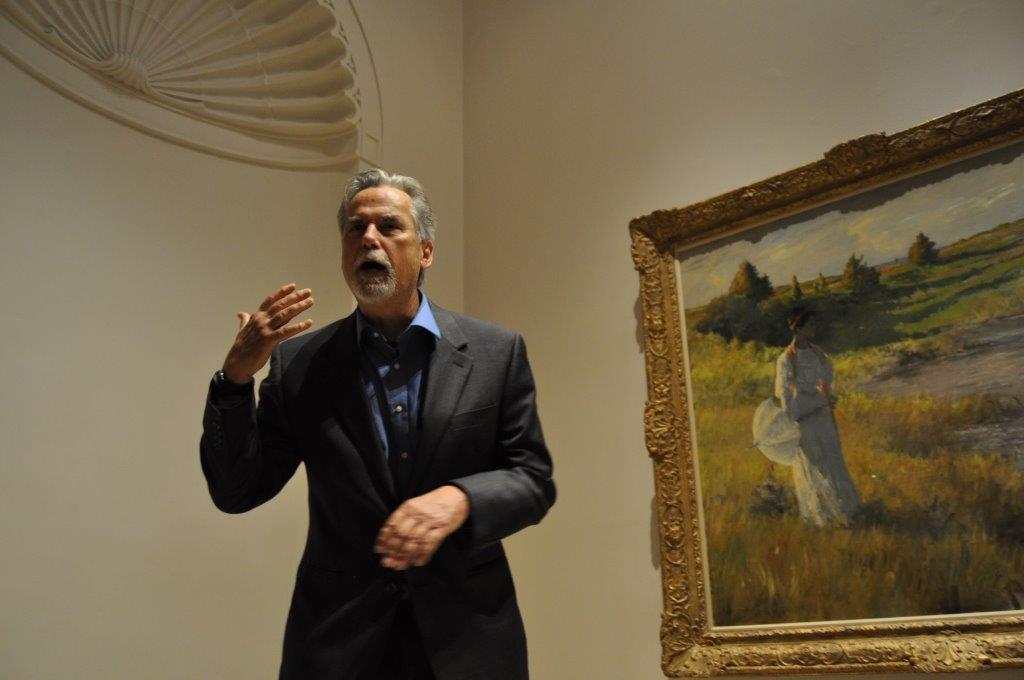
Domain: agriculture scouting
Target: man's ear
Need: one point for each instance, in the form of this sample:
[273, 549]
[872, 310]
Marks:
[426, 254]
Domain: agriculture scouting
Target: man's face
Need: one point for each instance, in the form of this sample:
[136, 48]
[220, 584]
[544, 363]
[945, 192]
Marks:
[381, 254]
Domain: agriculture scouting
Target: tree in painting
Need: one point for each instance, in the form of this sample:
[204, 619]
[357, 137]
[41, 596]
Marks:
[821, 285]
[923, 251]
[796, 290]
[749, 283]
[861, 278]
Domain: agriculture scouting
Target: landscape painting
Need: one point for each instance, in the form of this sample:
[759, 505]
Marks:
[855, 376]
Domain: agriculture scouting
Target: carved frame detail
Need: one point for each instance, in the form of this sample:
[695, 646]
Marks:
[691, 646]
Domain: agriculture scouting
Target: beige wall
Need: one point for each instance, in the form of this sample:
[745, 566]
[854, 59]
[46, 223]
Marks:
[123, 259]
[583, 114]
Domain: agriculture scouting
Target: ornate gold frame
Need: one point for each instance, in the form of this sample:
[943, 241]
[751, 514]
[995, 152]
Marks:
[690, 644]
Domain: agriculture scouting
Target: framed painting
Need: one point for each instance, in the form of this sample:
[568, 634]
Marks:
[835, 369]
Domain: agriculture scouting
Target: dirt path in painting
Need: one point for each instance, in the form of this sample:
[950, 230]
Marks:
[992, 363]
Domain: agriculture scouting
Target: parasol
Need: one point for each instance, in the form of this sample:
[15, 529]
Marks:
[775, 434]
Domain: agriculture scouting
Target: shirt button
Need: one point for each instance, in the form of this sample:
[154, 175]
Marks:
[398, 409]
[397, 365]
[404, 455]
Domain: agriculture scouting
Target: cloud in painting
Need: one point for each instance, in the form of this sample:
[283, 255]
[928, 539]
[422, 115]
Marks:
[948, 210]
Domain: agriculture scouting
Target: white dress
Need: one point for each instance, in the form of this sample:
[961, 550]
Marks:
[825, 493]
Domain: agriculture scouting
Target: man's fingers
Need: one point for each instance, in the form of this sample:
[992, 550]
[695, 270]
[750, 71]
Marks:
[426, 548]
[288, 300]
[243, 318]
[289, 331]
[277, 295]
[289, 313]
[414, 551]
[400, 537]
[407, 548]
[405, 530]
[406, 553]
[387, 531]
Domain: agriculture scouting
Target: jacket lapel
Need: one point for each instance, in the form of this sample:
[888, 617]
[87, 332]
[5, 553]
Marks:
[348, 397]
[447, 371]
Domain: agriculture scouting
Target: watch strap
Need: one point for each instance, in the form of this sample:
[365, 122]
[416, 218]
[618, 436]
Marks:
[225, 386]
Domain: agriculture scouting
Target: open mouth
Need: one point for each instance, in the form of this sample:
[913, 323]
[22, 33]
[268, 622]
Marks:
[373, 267]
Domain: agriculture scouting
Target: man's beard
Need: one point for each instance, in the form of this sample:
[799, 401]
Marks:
[374, 284]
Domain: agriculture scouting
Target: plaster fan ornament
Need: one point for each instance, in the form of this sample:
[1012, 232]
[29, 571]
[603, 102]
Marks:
[277, 82]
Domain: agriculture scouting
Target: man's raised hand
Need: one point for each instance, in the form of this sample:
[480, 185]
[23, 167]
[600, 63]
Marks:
[263, 330]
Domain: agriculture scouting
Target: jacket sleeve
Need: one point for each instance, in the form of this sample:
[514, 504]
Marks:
[520, 491]
[247, 452]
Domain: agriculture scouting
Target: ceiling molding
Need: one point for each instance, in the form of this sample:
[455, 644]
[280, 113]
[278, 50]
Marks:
[284, 83]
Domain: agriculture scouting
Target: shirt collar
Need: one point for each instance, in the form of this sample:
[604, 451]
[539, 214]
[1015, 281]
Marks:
[424, 319]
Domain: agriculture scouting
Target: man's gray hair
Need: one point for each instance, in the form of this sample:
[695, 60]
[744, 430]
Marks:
[422, 213]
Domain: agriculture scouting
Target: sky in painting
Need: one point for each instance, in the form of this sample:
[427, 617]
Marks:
[947, 211]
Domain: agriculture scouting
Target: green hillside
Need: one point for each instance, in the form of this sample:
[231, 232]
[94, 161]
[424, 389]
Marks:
[975, 279]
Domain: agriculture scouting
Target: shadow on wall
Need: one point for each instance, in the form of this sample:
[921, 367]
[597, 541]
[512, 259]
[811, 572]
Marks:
[655, 535]
[638, 314]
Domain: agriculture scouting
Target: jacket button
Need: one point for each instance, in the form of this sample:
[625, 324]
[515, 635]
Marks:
[391, 589]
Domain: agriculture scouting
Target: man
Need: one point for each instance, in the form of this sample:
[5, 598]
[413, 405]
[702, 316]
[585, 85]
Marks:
[423, 449]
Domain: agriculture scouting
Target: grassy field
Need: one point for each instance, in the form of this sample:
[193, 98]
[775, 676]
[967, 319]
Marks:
[943, 526]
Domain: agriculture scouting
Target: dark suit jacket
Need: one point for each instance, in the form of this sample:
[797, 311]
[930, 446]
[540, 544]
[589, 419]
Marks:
[478, 430]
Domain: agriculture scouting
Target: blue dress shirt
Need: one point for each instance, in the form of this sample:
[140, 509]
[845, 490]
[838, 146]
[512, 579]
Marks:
[392, 376]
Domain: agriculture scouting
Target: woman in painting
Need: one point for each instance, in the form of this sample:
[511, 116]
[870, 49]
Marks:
[825, 493]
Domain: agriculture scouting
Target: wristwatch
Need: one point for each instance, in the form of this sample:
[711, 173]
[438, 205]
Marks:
[225, 386]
